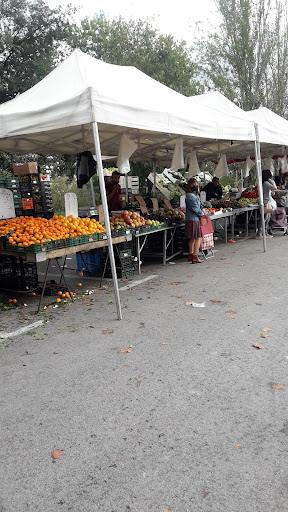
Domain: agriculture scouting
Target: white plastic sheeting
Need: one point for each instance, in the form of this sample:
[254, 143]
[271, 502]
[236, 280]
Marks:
[178, 156]
[127, 148]
[193, 165]
[248, 166]
[222, 167]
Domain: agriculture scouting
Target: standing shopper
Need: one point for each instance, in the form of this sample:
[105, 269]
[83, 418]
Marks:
[268, 186]
[193, 220]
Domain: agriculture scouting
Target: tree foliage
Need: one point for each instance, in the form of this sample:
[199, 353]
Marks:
[247, 58]
[30, 37]
[137, 43]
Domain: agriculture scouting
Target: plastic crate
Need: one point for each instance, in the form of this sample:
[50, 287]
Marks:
[34, 248]
[89, 261]
[125, 253]
[17, 274]
[75, 240]
[60, 244]
[92, 237]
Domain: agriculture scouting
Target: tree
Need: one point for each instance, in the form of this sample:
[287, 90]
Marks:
[30, 37]
[137, 43]
[247, 58]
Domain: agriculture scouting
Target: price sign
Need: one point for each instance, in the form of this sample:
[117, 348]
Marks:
[7, 208]
[71, 205]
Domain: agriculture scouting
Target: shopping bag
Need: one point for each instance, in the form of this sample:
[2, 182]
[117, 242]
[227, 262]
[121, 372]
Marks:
[207, 228]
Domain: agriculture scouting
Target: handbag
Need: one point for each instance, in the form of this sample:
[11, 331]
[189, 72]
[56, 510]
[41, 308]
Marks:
[268, 208]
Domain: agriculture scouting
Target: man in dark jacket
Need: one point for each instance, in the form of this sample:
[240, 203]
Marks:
[213, 190]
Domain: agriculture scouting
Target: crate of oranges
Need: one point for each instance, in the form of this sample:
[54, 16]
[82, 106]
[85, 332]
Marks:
[35, 234]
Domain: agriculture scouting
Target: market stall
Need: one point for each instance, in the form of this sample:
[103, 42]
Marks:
[87, 105]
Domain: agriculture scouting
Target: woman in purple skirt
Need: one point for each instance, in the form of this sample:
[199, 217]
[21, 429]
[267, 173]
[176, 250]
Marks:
[193, 220]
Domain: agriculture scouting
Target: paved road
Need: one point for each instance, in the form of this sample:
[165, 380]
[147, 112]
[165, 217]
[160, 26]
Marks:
[188, 420]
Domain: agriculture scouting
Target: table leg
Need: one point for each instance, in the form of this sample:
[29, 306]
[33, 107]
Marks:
[138, 254]
[62, 275]
[225, 224]
[164, 246]
[44, 285]
[232, 226]
[247, 222]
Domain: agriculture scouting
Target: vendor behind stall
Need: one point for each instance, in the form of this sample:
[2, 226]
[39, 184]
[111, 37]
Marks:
[213, 190]
[113, 190]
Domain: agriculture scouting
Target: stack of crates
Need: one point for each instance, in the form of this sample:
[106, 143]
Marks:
[47, 197]
[32, 202]
[17, 274]
[12, 183]
[124, 260]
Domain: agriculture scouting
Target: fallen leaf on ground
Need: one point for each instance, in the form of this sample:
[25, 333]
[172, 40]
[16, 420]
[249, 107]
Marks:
[174, 283]
[214, 282]
[256, 345]
[182, 296]
[164, 343]
[277, 386]
[188, 303]
[238, 445]
[227, 263]
[125, 351]
[205, 495]
[54, 353]
[264, 335]
[57, 453]
[150, 282]
[234, 317]
[258, 304]
[156, 284]
[107, 332]
[231, 311]
[202, 318]
[267, 329]
[215, 300]
[138, 383]
[191, 275]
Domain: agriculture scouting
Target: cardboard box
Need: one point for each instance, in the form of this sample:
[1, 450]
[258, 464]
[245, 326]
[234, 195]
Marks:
[27, 168]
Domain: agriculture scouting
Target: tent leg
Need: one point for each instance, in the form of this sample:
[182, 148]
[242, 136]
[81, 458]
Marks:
[106, 216]
[92, 193]
[259, 181]
[154, 176]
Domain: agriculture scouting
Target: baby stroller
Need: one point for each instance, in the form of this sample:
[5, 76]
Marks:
[279, 219]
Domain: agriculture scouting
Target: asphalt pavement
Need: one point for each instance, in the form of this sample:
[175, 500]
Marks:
[173, 408]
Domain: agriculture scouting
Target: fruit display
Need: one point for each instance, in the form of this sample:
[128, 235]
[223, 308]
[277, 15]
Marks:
[30, 231]
[168, 214]
[227, 204]
[245, 200]
[252, 194]
[132, 219]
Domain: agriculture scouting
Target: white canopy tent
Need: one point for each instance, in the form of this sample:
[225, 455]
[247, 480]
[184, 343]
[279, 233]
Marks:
[273, 130]
[86, 104]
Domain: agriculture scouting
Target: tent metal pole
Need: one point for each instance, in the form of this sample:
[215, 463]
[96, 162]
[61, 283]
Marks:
[106, 216]
[154, 175]
[92, 193]
[259, 181]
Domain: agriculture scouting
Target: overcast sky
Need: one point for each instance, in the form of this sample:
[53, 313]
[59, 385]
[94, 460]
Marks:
[175, 18]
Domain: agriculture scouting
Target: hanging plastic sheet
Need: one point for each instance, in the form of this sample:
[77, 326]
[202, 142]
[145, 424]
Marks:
[127, 148]
[284, 166]
[248, 166]
[269, 164]
[222, 167]
[178, 156]
[193, 165]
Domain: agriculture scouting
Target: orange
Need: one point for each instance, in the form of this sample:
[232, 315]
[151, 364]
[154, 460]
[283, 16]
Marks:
[59, 293]
[14, 301]
[58, 300]
[79, 284]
